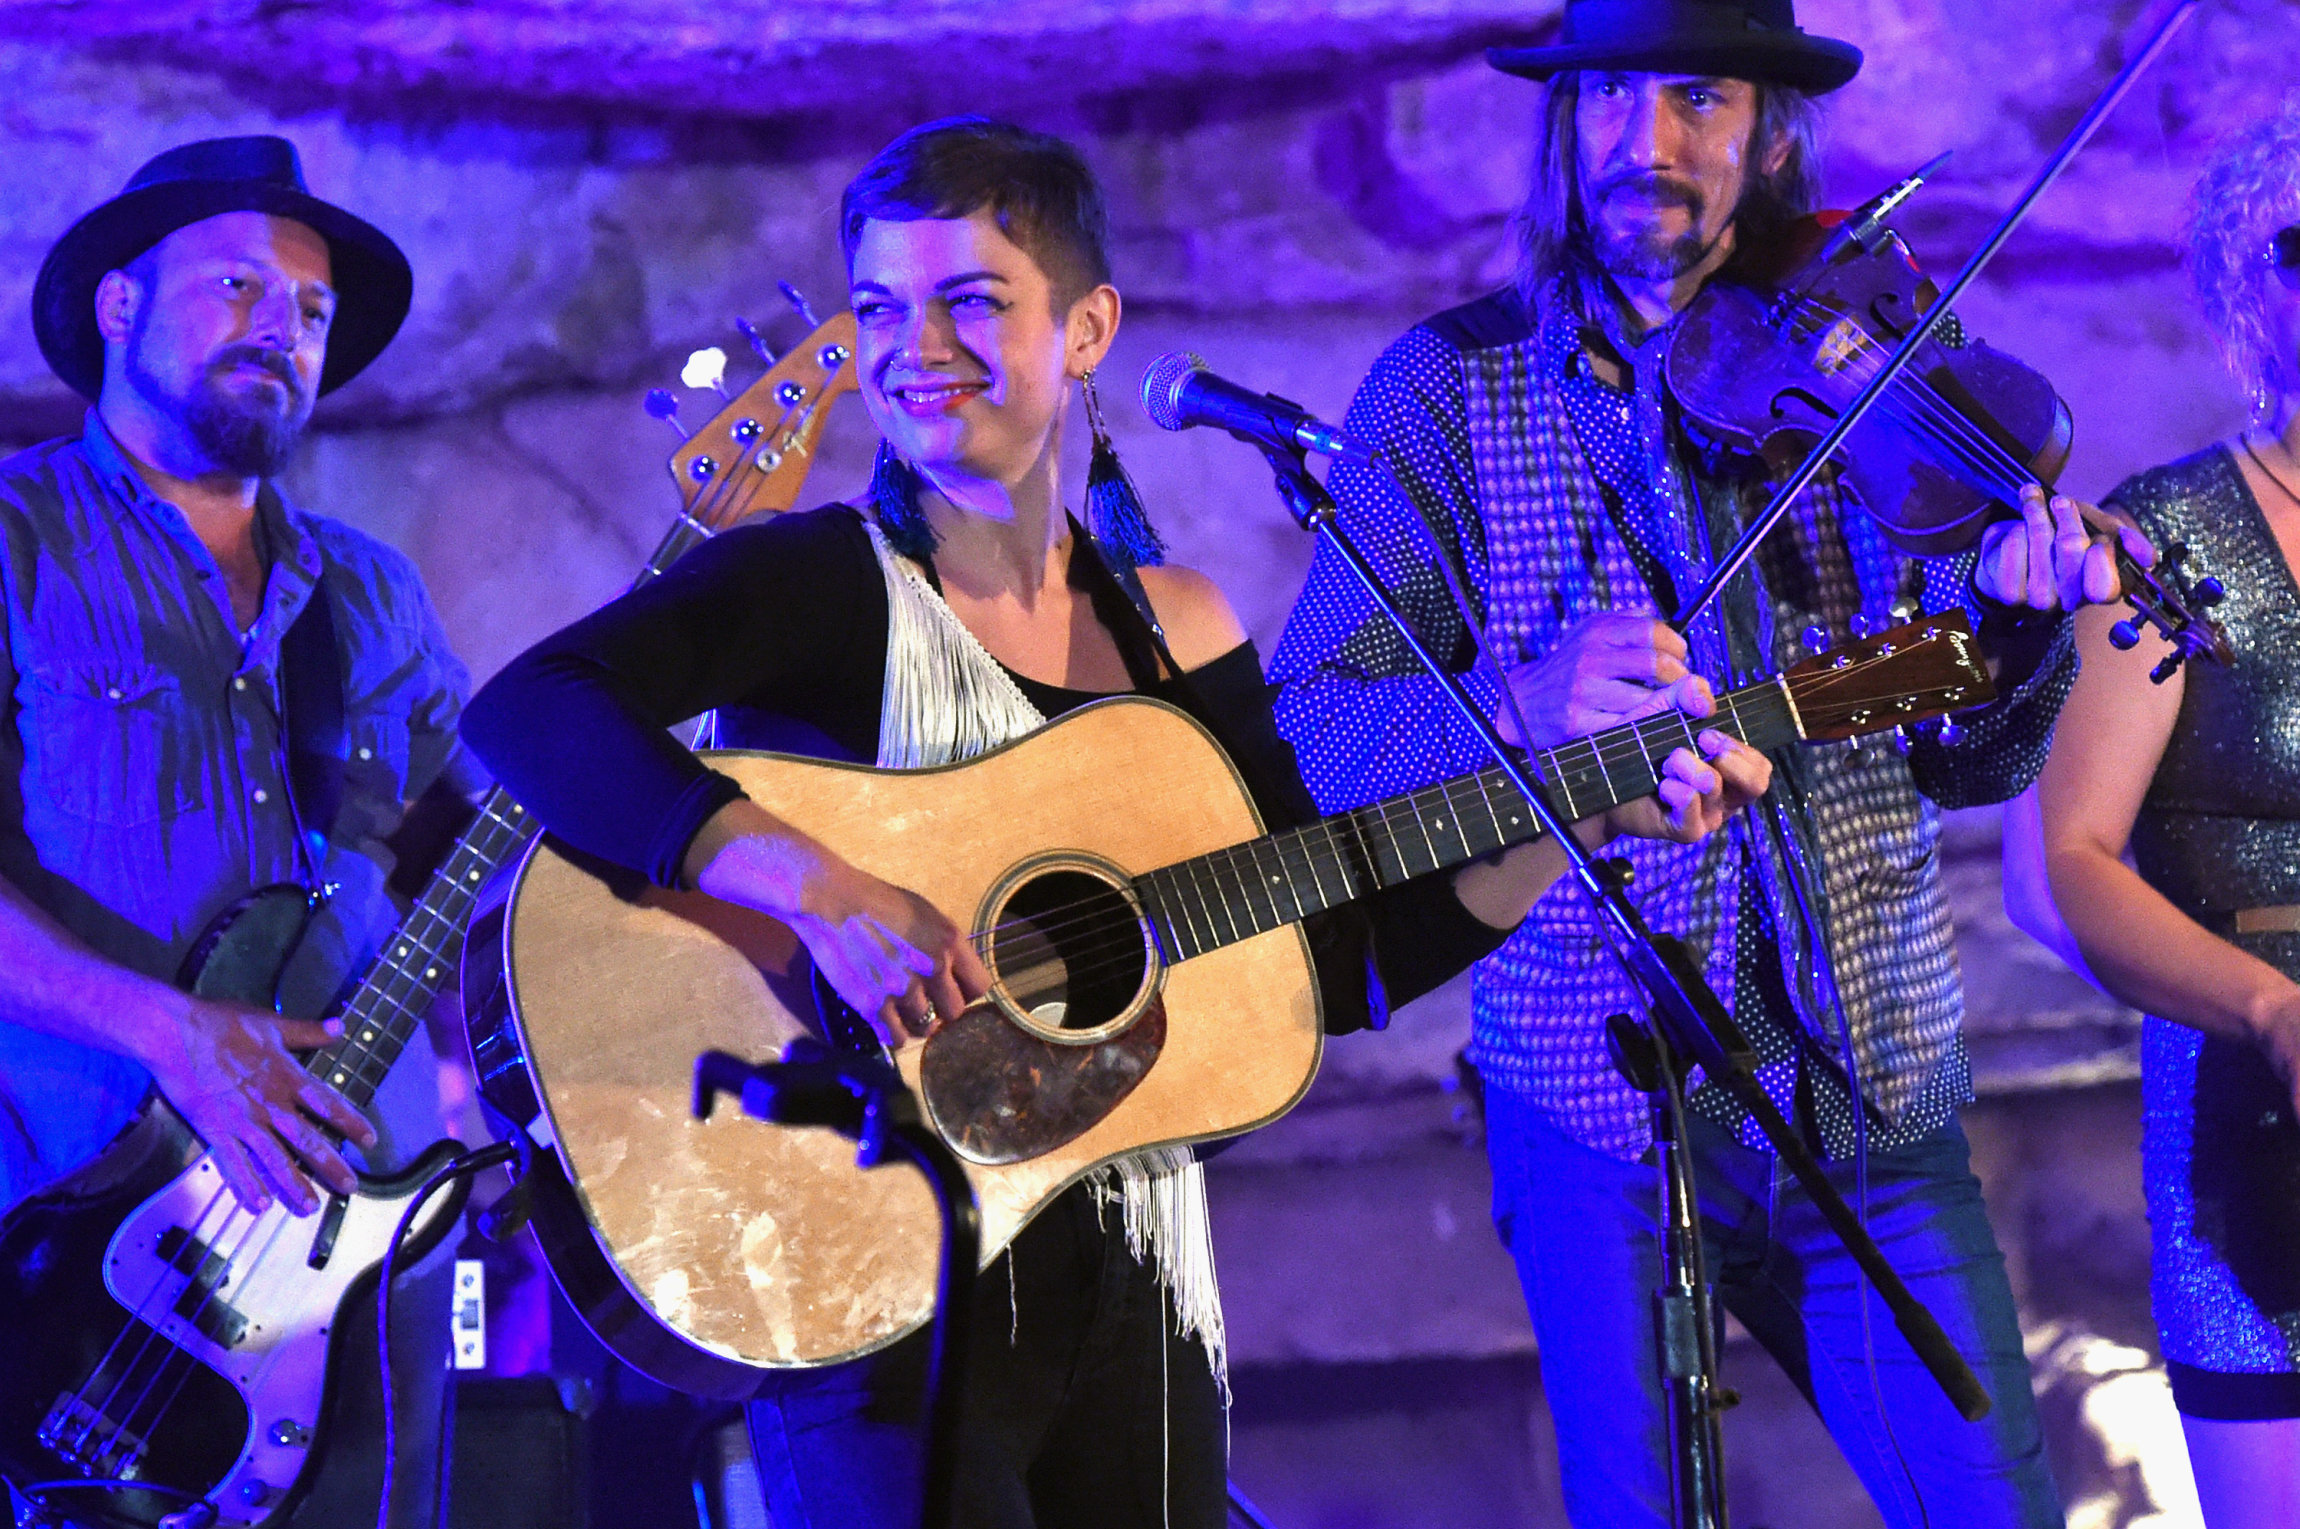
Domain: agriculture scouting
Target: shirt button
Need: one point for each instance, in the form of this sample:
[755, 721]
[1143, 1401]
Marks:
[366, 753]
[262, 796]
[113, 692]
[239, 682]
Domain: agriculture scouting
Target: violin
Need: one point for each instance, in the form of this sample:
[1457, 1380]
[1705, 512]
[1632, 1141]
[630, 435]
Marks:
[1770, 353]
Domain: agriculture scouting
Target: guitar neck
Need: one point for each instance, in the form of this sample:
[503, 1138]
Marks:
[422, 956]
[1233, 894]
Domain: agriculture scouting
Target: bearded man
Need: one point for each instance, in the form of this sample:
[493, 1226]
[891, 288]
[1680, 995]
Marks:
[155, 586]
[1532, 440]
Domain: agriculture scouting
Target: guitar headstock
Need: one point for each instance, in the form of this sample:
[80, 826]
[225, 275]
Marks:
[753, 455]
[1926, 669]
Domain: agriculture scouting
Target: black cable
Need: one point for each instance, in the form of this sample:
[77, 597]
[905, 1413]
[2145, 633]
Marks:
[473, 1162]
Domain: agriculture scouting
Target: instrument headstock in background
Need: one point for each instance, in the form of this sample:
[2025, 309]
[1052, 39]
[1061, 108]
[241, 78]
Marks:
[753, 455]
[1927, 668]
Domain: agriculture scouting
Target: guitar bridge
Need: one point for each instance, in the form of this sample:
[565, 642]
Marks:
[91, 1440]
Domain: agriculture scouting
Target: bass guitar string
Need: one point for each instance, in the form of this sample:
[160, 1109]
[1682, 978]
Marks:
[136, 1318]
[278, 1221]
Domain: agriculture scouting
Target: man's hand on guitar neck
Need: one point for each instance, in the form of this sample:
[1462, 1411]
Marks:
[1612, 669]
[898, 959]
[229, 1071]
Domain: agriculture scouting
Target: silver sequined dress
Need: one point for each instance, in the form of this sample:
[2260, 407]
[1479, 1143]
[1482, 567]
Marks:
[2220, 831]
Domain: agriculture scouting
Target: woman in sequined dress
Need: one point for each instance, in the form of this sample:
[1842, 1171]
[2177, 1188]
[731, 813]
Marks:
[2198, 781]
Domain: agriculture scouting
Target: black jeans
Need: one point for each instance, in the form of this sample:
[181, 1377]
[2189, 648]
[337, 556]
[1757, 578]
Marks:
[1084, 1409]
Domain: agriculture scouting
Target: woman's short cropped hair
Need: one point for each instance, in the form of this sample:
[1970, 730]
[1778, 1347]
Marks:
[2249, 190]
[1035, 185]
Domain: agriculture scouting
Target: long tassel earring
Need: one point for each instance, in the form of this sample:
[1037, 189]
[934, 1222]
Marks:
[1113, 504]
[894, 496]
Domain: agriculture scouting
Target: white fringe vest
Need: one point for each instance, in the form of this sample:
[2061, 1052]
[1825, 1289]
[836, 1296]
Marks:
[948, 699]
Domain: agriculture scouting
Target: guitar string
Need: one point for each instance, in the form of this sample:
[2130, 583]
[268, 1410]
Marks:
[153, 1334]
[1484, 783]
[279, 1224]
[1124, 938]
[136, 1316]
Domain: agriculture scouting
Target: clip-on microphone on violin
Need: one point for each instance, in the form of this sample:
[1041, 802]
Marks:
[2155, 602]
[1865, 226]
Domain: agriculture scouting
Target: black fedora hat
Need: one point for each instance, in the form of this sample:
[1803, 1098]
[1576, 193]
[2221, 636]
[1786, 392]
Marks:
[1736, 39]
[202, 180]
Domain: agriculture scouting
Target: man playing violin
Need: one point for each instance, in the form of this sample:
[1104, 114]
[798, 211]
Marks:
[1532, 437]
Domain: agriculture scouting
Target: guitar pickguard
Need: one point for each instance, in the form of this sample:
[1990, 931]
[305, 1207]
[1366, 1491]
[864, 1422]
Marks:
[999, 1094]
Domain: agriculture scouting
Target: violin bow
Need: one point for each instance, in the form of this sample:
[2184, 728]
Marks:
[1874, 392]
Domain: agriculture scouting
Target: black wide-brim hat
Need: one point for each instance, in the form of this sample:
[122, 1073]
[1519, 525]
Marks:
[203, 180]
[1733, 39]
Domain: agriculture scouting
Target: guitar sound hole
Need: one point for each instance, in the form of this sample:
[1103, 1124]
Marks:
[1069, 951]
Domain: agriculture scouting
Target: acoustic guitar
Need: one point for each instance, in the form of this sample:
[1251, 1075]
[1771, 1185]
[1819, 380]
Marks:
[169, 1353]
[1152, 987]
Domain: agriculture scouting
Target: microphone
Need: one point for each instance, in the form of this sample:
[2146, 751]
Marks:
[1178, 392]
[1864, 226]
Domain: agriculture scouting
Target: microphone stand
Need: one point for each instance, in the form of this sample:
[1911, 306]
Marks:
[863, 1098]
[1685, 1026]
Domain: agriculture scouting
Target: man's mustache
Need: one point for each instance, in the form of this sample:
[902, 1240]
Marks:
[271, 361]
[1652, 187]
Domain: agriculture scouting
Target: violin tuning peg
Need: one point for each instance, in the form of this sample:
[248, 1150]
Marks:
[2166, 668]
[2172, 554]
[757, 341]
[664, 407]
[2210, 592]
[2124, 636]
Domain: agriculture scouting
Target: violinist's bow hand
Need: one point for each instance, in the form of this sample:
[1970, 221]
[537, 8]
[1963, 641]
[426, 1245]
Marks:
[2052, 559]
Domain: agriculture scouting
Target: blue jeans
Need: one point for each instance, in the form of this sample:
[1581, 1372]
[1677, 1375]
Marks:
[1581, 1227]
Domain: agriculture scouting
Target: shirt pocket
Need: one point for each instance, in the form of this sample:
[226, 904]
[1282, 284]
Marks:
[116, 743]
[377, 768]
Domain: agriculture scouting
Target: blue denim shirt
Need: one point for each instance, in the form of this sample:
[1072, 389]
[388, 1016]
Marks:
[141, 788]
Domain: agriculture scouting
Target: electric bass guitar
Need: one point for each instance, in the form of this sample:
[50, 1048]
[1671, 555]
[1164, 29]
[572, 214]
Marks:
[1152, 988]
[169, 1353]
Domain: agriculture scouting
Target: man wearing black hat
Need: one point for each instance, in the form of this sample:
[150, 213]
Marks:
[1531, 436]
[154, 586]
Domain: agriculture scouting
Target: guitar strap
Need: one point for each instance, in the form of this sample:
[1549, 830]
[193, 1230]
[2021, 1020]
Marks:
[312, 720]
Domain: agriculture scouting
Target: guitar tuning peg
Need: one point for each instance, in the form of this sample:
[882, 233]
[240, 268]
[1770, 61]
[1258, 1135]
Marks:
[1815, 638]
[758, 342]
[1902, 743]
[798, 300]
[706, 368]
[1905, 611]
[664, 407]
[2210, 592]
[2124, 636]
[1949, 733]
[1861, 625]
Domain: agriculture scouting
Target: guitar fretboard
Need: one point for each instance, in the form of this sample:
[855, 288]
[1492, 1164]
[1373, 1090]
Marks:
[1236, 893]
[422, 955]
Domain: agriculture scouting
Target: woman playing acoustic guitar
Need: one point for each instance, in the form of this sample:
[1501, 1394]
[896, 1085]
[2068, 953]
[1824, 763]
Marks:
[954, 609]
